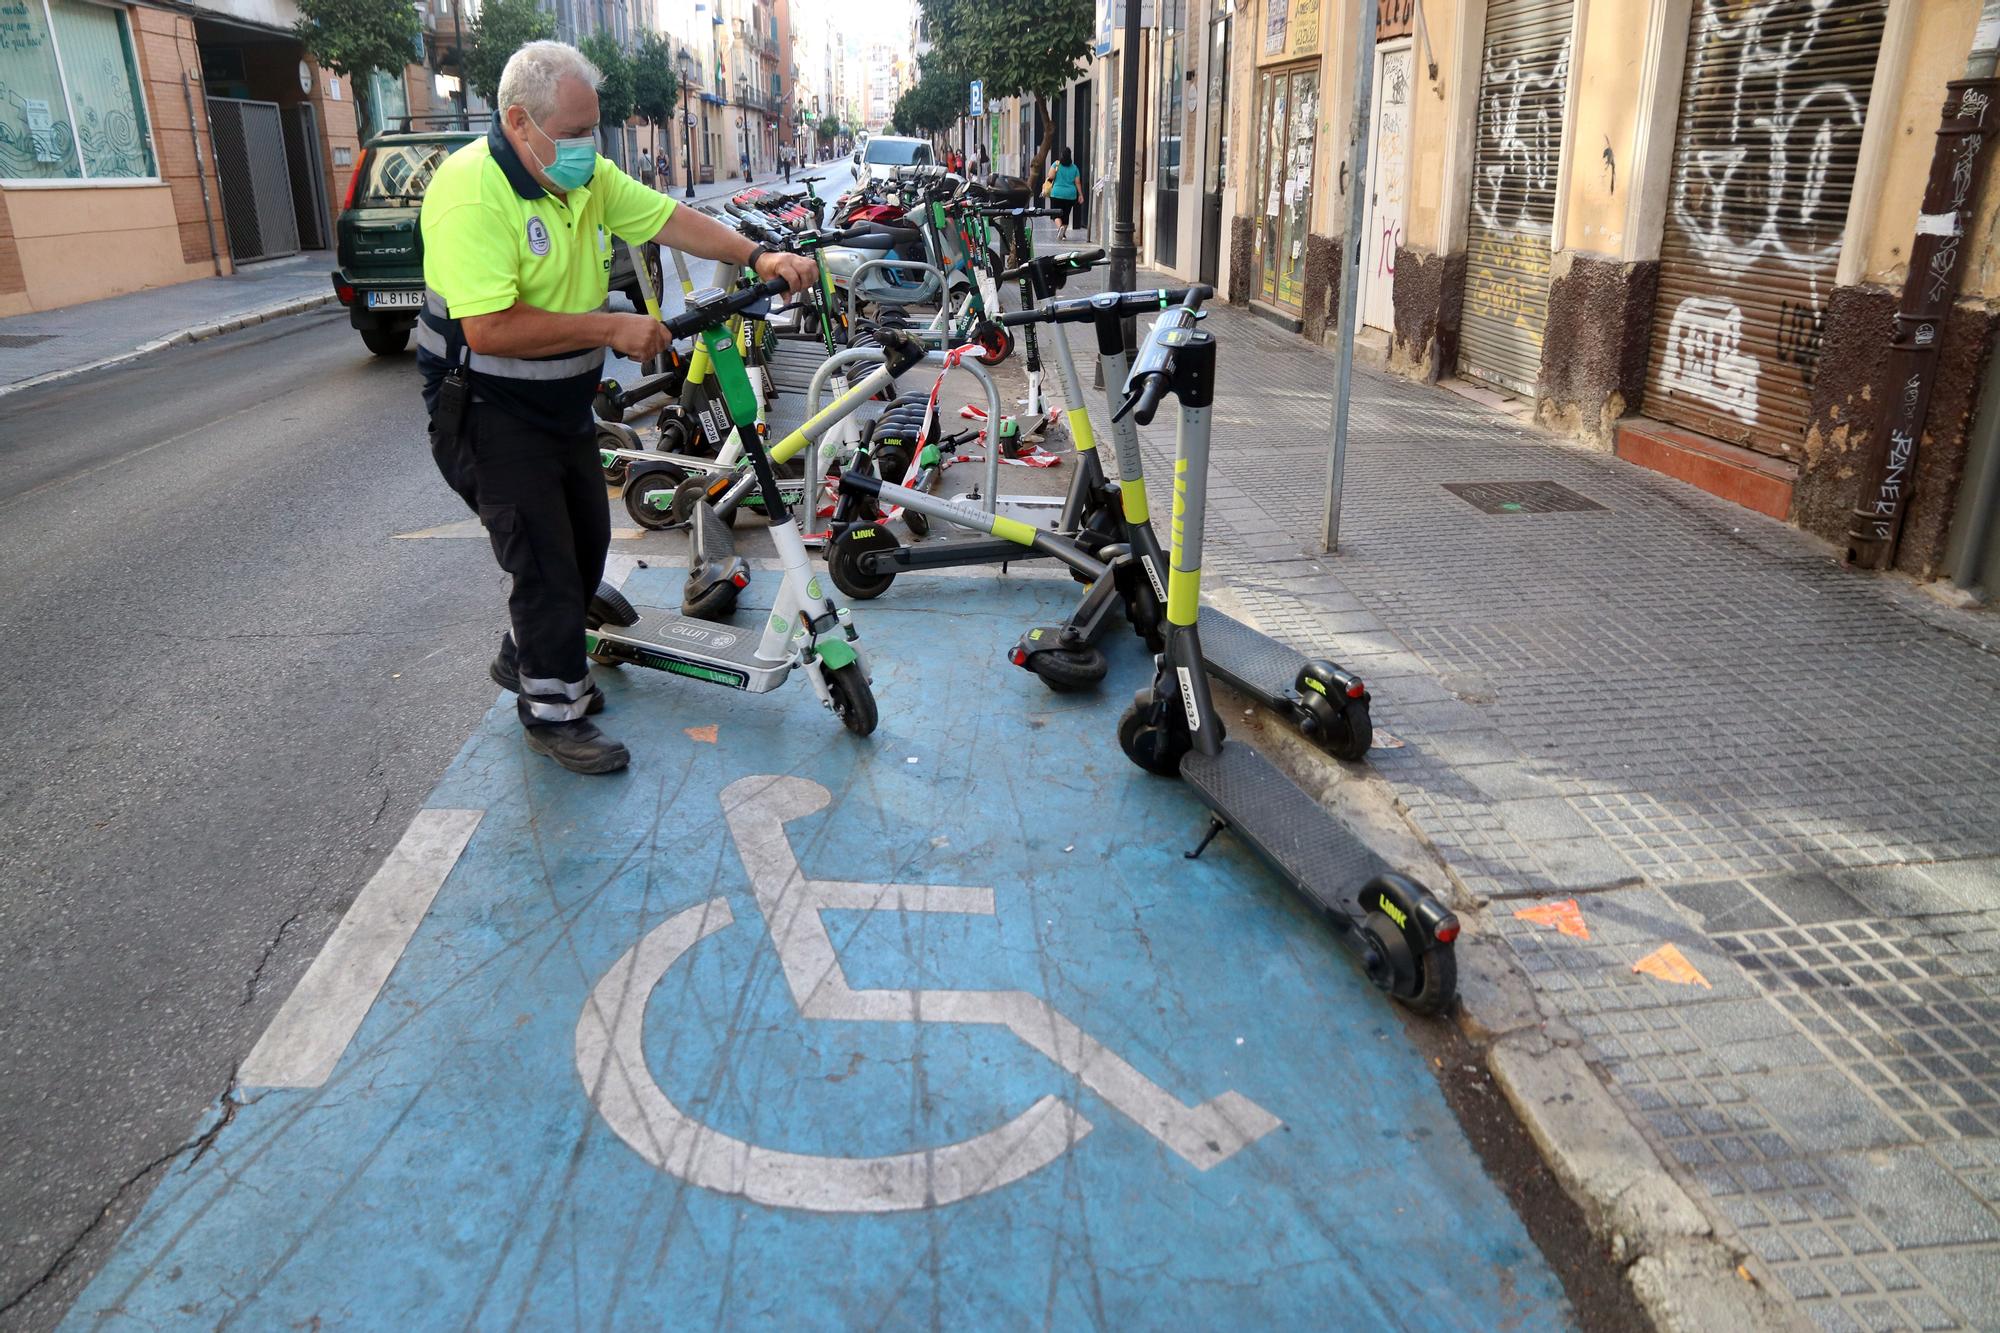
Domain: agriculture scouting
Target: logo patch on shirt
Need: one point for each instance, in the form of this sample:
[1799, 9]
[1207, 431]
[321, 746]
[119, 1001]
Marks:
[538, 236]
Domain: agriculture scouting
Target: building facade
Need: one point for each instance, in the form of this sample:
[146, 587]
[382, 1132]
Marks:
[1677, 229]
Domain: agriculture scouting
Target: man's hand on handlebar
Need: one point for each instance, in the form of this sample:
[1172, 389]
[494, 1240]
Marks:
[638, 337]
[797, 271]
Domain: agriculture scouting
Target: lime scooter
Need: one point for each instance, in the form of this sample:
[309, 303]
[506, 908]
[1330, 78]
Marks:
[1402, 935]
[806, 629]
[1324, 702]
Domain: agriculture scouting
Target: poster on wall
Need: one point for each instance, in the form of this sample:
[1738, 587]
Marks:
[1277, 14]
[1305, 28]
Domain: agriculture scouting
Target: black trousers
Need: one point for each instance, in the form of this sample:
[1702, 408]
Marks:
[1068, 207]
[540, 496]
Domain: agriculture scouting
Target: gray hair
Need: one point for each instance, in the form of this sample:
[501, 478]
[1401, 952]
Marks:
[532, 74]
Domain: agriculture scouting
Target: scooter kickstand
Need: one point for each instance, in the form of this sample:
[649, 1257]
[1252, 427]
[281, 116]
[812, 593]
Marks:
[1215, 825]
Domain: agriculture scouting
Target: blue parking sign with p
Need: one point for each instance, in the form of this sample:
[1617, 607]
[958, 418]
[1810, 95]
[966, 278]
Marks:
[978, 99]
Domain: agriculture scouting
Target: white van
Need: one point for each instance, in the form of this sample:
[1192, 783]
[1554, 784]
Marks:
[880, 156]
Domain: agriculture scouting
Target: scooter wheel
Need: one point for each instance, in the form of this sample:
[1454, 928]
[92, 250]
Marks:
[1155, 748]
[605, 403]
[1066, 670]
[853, 701]
[892, 461]
[1437, 982]
[1142, 610]
[609, 607]
[639, 485]
[686, 496]
[677, 433]
[712, 603]
[995, 342]
[1356, 732]
[843, 562]
[918, 524]
[616, 471]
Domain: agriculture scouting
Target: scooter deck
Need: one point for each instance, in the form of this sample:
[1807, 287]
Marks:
[712, 538]
[1320, 855]
[667, 641]
[1246, 659]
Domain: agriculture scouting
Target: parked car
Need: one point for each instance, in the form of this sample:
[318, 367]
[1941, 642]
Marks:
[379, 249]
[882, 154]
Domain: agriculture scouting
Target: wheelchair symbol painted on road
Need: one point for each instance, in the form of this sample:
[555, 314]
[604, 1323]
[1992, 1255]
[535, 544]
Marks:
[611, 1059]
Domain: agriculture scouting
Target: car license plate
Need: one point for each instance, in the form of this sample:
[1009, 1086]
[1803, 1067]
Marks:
[395, 300]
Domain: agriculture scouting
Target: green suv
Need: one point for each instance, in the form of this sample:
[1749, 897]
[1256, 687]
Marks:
[381, 253]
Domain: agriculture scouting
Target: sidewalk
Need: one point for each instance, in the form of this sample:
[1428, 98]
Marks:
[72, 339]
[1733, 811]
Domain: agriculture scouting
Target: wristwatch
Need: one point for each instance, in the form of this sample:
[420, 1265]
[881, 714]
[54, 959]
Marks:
[757, 252]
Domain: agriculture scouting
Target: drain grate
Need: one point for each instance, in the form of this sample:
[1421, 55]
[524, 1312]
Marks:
[1520, 497]
[24, 339]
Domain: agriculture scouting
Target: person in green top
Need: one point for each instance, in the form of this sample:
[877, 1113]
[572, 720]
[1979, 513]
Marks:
[517, 231]
[1061, 188]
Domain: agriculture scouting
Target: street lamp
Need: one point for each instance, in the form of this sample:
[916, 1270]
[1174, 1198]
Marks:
[686, 62]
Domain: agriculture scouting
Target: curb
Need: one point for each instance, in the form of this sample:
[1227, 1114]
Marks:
[1685, 1277]
[192, 334]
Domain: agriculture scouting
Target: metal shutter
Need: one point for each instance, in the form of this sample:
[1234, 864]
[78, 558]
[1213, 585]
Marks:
[1523, 78]
[1770, 130]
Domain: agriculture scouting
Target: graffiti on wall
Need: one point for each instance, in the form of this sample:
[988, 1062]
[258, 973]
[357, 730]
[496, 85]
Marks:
[1764, 173]
[1520, 133]
[1705, 357]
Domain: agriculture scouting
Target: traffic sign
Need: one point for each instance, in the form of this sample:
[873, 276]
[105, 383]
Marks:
[978, 100]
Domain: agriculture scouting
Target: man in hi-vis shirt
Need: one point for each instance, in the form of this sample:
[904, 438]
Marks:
[517, 232]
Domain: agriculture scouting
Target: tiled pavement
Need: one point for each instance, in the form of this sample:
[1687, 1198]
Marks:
[1690, 720]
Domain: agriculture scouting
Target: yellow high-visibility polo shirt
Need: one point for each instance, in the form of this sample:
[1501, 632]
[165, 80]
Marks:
[493, 236]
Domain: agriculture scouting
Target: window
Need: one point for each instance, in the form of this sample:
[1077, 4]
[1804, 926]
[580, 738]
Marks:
[70, 106]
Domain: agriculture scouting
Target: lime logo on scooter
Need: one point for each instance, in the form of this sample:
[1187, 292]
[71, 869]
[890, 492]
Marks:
[1187, 698]
[704, 635]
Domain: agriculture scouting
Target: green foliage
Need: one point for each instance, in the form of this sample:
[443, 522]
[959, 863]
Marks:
[352, 37]
[1022, 48]
[655, 86]
[502, 28]
[614, 95]
[830, 127]
[933, 103]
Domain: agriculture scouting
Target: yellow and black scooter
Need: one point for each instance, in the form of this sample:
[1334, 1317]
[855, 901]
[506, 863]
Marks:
[1402, 935]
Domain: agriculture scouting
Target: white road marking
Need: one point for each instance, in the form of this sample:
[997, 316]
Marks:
[305, 1041]
[611, 1059]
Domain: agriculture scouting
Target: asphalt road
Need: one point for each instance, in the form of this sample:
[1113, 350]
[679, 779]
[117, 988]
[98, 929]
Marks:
[232, 686]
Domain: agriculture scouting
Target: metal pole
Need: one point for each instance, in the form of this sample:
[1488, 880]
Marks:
[201, 172]
[1984, 496]
[458, 62]
[1124, 275]
[1352, 246]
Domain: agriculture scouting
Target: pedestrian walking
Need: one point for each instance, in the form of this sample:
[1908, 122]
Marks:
[646, 172]
[785, 156]
[510, 341]
[1061, 189]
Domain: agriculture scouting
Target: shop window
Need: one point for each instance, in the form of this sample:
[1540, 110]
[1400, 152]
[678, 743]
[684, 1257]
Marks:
[70, 104]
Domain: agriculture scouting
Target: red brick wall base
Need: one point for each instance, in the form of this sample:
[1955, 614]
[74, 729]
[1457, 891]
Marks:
[1752, 480]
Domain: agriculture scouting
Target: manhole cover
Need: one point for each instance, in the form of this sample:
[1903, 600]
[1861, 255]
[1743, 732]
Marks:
[1520, 497]
[24, 339]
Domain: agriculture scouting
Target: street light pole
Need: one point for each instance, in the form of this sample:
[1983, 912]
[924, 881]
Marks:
[687, 118]
[1353, 244]
[1124, 274]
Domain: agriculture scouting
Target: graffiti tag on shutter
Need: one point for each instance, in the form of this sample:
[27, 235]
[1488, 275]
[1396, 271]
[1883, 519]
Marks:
[1705, 357]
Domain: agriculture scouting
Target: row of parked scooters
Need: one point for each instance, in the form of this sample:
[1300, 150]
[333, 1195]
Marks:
[849, 487]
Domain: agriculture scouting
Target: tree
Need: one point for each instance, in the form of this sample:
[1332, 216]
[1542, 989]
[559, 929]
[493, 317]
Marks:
[1024, 48]
[933, 103]
[655, 86]
[502, 28]
[614, 94]
[354, 37]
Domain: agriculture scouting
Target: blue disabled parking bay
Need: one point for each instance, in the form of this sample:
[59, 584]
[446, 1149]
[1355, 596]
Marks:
[782, 1027]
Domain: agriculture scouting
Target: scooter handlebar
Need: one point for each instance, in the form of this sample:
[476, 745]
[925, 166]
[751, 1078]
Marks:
[1074, 260]
[1152, 372]
[1078, 309]
[713, 308]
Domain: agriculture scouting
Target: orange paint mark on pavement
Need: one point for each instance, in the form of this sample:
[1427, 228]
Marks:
[706, 735]
[1565, 916]
[1668, 964]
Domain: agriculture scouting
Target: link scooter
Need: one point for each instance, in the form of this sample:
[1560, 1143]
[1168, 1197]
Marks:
[1402, 935]
[806, 629]
[1326, 703]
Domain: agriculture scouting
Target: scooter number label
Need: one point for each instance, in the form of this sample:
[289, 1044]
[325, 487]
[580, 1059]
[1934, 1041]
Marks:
[1187, 698]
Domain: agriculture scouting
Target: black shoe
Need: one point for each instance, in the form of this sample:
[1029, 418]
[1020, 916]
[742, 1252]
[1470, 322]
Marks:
[578, 746]
[506, 673]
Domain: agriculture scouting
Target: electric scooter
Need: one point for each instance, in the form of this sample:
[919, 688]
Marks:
[1326, 703]
[1402, 935]
[806, 629]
